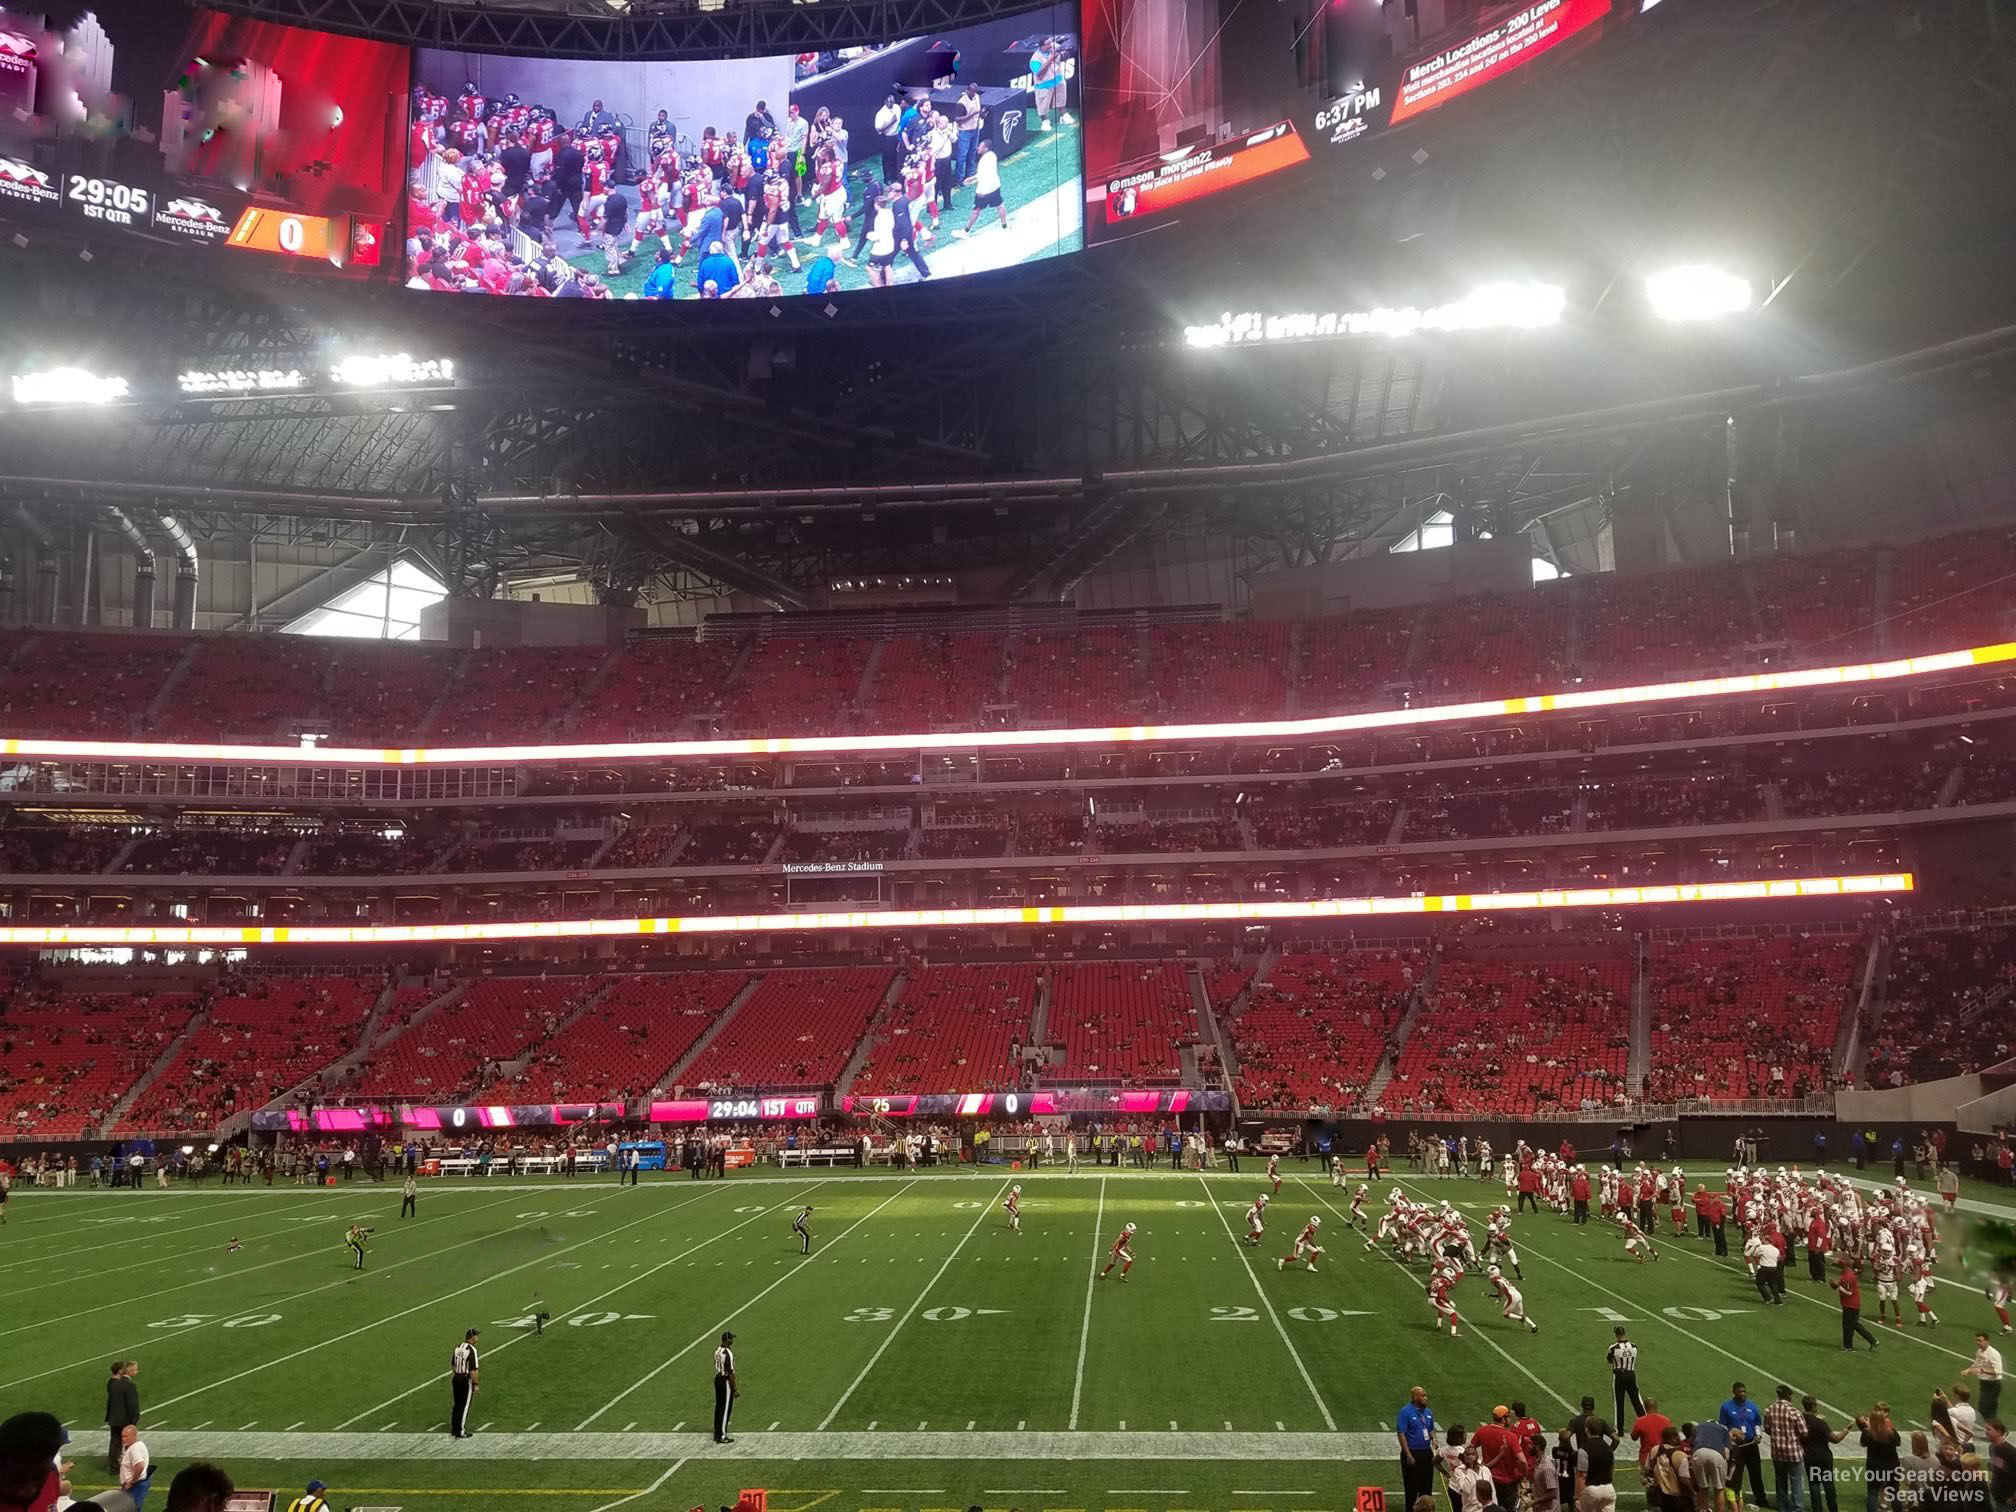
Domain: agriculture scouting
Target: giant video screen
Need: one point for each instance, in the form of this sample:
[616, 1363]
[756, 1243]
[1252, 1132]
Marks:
[928, 158]
[1188, 99]
[144, 120]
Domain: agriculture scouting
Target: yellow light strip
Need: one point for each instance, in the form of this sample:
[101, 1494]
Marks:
[50, 935]
[791, 745]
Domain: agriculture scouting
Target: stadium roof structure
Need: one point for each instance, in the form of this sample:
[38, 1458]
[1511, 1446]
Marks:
[1036, 424]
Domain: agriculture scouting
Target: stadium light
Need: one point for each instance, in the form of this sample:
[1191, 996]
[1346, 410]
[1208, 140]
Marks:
[1873, 884]
[1695, 291]
[67, 385]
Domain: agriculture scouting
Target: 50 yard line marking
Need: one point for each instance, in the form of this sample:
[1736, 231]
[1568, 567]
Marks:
[1268, 1303]
[1085, 1330]
[890, 1338]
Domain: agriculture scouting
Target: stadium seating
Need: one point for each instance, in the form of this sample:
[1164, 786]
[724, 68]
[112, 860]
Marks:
[627, 1042]
[1673, 802]
[209, 852]
[935, 681]
[380, 692]
[1737, 1019]
[952, 1030]
[1121, 1021]
[1349, 659]
[254, 1043]
[652, 688]
[798, 685]
[1517, 1040]
[1090, 677]
[66, 1059]
[446, 1057]
[1655, 626]
[1221, 672]
[1314, 1032]
[251, 687]
[1495, 645]
[797, 1029]
[1471, 816]
[1864, 790]
[1278, 826]
[1947, 1006]
[95, 686]
[513, 694]
[1953, 591]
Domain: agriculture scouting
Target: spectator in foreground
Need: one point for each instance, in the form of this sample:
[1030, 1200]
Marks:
[29, 1444]
[136, 1467]
[200, 1487]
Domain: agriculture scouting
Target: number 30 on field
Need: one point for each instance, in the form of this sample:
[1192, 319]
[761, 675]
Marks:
[197, 1320]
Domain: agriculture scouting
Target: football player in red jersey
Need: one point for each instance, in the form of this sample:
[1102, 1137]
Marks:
[1441, 1282]
[1305, 1241]
[1123, 1254]
[1274, 1172]
[831, 194]
[1012, 1206]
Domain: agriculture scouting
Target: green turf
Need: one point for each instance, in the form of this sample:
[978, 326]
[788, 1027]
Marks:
[1210, 1380]
[1045, 161]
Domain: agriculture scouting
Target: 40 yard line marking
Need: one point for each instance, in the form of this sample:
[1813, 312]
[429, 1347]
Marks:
[890, 1338]
[409, 1311]
[1268, 1303]
[1085, 1329]
[715, 1332]
[1749, 1365]
[584, 1306]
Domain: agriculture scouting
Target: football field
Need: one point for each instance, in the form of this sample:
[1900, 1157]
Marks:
[922, 1356]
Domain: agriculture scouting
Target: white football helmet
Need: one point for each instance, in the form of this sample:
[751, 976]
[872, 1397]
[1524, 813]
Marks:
[1315, 1222]
[1128, 1230]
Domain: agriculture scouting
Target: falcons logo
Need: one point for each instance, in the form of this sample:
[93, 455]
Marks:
[14, 45]
[194, 210]
[15, 172]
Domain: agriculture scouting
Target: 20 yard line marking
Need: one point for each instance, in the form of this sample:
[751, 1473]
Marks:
[715, 1332]
[1268, 1303]
[1476, 1329]
[623, 1501]
[1085, 1330]
[890, 1338]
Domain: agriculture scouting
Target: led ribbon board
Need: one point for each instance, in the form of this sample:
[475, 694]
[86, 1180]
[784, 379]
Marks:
[63, 748]
[55, 935]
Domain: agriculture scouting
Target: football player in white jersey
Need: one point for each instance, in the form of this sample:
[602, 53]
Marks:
[1305, 1243]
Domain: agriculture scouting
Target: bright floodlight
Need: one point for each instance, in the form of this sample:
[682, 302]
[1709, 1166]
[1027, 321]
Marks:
[1697, 292]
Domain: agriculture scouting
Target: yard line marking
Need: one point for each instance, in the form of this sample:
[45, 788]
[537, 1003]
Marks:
[920, 1427]
[1123, 1425]
[1268, 1303]
[676, 1427]
[1279, 1426]
[202, 1425]
[1172, 1425]
[628, 1426]
[1656, 1317]
[715, 1332]
[1237, 1492]
[530, 1426]
[580, 1307]
[1019, 1426]
[1711, 1261]
[247, 1427]
[1228, 1427]
[871, 1425]
[890, 1337]
[1476, 1331]
[621, 1501]
[406, 1312]
[1023, 1491]
[63, 1235]
[969, 1424]
[1085, 1329]
[773, 1427]
[292, 1426]
[175, 1333]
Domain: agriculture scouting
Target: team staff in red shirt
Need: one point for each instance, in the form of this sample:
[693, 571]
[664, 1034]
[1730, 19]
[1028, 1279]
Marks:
[1849, 1285]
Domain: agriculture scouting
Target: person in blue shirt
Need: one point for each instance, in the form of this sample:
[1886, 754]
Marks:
[719, 269]
[1739, 1415]
[658, 282]
[1415, 1429]
[820, 275]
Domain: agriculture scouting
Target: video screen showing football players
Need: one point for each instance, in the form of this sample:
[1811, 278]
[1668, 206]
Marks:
[749, 178]
[139, 119]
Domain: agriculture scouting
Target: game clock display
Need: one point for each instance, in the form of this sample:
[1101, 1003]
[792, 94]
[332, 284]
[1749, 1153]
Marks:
[142, 120]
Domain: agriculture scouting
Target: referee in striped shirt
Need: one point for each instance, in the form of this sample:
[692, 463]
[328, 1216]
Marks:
[462, 1378]
[725, 1389]
[1623, 1358]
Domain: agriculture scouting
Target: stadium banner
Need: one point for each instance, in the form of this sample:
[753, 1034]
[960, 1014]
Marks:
[243, 139]
[741, 1107]
[1058, 1100]
[822, 173]
[64, 748]
[1496, 50]
[384, 1118]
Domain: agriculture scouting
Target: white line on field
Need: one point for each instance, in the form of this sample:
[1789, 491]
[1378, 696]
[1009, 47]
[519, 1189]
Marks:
[583, 1307]
[1085, 1329]
[890, 1337]
[714, 1332]
[621, 1501]
[1476, 1329]
[1267, 1302]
